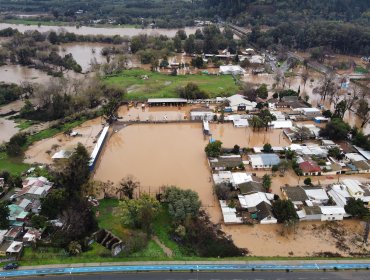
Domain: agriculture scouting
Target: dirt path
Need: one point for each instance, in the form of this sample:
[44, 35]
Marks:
[165, 249]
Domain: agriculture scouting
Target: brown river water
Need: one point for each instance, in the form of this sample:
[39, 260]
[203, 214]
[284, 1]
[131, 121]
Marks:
[85, 30]
[7, 129]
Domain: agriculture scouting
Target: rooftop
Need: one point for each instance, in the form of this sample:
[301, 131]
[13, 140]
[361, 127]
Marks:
[309, 166]
[295, 193]
[264, 159]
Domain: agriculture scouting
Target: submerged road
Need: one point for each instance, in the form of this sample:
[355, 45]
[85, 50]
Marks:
[192, 268]
[315, 275]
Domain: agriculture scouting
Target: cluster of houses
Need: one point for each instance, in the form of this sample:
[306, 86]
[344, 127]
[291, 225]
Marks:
[25, 203]
[317, 203]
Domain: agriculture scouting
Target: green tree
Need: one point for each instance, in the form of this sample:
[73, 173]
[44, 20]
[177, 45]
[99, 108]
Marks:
[53, 38]
[363, 111]
[53, 203]
[197, 62]
[356, 208]
[177, 44]
[284, 211]
[38, 221]
[77, 171]
[262, 91]
[307, 181]
[74, 248]
[213, 149]
[335, 152]
[256, 122]
[4, 215]
[182, 204]
[336, 129]
[139, 213]
[267, 148]
[266, 182]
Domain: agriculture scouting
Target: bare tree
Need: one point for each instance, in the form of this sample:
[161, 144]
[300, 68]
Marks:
[127, 186]
[363, 111]
[305, 76]
[327, 87]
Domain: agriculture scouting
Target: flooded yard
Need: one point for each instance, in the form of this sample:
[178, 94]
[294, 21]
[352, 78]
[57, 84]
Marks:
[308, 239]
[246, 137]
[42, 151]
[159, 155]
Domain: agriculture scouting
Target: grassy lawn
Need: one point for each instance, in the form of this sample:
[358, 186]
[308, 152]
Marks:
[50, 132]
[24, 124]
[14, 166]
[361, 70]
[162, 85]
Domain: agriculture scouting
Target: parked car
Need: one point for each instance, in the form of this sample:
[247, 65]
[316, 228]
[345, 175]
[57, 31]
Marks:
[11, 266]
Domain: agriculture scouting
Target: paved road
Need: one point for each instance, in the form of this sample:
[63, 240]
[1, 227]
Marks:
[356, 275]
[185, 267]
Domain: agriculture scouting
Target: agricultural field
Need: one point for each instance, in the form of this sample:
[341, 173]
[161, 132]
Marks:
[142, 84]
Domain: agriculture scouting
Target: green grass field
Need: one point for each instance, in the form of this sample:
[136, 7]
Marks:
[14, 165]
[162, 85]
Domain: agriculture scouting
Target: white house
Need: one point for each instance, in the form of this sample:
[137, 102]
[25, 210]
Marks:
[238, 178]
[264, 213]
[354, 188]
[281, 124]
[231, 69]
[264, 161]
[332, 213]
[250, 201]
[229, 214]
[241, 123]
[201, 114]
[239, 103]
[339, 194]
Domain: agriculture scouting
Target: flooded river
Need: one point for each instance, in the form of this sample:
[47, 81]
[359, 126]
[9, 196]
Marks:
[85, 30]
[84, 53]
[17, 74]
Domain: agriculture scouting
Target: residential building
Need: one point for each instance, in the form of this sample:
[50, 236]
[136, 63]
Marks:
[251, 201]
[238, 178]
[231, 70]
[239, 103]
[332, 213]
[251, 187]
[316, 195]
[229, 214]
[310, 168]
[201, 114]
[226, 163]
[265, 214]
[310, 213]
[354, 188]
[264, 161]
[295, 194]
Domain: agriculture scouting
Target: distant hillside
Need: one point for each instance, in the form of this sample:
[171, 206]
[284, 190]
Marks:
[272, 12]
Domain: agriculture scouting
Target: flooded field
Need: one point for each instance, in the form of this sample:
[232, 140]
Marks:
[7, 129]
[84, 53]
[85, 30]
[17, 74]
[246, 137]
[159, 155]
[147, 113]
[42, 151]
[308, 239]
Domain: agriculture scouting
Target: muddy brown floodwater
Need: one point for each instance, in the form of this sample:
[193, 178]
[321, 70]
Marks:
[88, 131]
[83, 53]
[246, 137]
[7, 129]
[107, 31]
[159, 155]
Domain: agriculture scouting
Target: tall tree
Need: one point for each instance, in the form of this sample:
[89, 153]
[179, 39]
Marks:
[363, 111]
[4, 216]
[127, 186]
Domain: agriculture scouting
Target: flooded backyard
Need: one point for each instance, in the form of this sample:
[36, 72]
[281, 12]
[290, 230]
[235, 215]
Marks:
[42, 151]
[246, 137]
[308, 239]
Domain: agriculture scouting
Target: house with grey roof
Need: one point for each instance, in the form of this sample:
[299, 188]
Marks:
[264, 161]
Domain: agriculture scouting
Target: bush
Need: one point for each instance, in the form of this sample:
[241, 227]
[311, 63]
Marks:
[213, 149]
[307, 181]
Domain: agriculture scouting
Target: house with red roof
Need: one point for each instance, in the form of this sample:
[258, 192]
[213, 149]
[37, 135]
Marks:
[310, 168]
